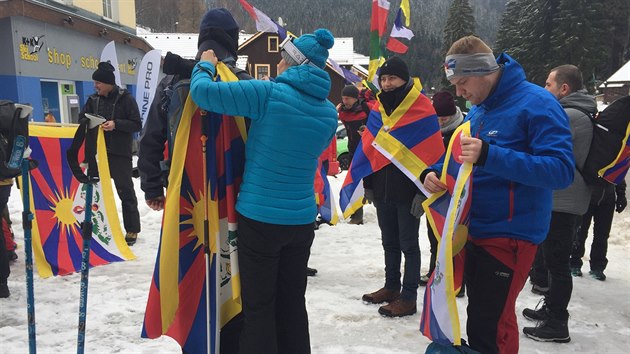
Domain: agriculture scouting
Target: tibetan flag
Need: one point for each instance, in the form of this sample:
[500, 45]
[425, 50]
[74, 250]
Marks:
[398, 30]
[191, 298]
[324, 197]
[263, 22]
[448, 215]
[409, 138]
[58, 203]
[380, 8]
[616, 171]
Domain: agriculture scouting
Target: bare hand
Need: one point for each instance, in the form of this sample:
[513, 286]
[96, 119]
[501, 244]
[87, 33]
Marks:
[209, 55]
[156, 204]
[109, 125]
[433, 184]
[471, 149]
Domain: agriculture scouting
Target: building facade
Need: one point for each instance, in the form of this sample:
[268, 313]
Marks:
[51, 48]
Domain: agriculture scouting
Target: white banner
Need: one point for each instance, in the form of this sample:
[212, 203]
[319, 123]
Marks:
[109, 54]
[148, 77]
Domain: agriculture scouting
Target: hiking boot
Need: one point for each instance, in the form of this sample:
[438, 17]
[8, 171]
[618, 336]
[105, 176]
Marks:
[424, 279]
[381, 295]
[12, 256]
[540, 290]
[597, 274]
[549, 330]
[537, 314]
[355, 221]
[398, 308]
[310, 272]
[576, 271]
[131, 238]
[4, 291]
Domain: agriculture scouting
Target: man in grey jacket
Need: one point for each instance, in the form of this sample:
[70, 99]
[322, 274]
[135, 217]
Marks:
[551, 266]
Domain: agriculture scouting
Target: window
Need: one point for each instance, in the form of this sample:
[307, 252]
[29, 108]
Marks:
[272, 44]
[261, 70]
[107, 9]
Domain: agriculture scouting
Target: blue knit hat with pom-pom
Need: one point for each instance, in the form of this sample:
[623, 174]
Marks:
[315, 46]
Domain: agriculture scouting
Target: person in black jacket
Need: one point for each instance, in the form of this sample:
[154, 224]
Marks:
[120, 110]
[218, 31]
[450, 117]
[396, 200]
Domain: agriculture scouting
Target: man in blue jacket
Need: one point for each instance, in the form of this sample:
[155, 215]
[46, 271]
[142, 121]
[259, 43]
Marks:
[292, 123]
[521, 149]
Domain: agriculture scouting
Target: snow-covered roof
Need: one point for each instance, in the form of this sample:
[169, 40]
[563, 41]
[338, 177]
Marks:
[342, 51]
[619, 77]
[183, 44]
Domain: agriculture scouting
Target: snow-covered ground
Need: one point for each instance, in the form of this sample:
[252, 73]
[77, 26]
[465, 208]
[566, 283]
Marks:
[350, 263]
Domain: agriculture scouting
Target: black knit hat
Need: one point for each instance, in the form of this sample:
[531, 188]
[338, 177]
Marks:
[219, 26]
[395, 66]
[104, 73]
[350, 91]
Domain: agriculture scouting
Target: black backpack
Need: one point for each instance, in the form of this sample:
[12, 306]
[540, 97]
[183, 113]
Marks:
[611, 128]
[13, 139]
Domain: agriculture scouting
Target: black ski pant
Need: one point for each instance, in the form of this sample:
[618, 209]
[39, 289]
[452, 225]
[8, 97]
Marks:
[120, 169]
[272, 262]
[552, 261]
[601, 215]
[5, 270]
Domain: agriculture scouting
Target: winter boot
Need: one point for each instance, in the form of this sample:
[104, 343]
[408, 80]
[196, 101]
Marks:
[4, 290]
[398, 308]
[381, 295]
[131, 238]
[576, 271]
[597, 274]
[537, 314]
[553, 329]
[310, 272]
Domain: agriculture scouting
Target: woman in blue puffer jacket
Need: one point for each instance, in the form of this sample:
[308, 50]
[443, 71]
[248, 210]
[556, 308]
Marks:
[292, 122]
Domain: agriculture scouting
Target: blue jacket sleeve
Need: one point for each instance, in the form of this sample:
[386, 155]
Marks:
[548, 164]
[240, 98]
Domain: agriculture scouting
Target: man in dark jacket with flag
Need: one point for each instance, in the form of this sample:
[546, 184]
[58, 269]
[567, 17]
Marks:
[120, 110]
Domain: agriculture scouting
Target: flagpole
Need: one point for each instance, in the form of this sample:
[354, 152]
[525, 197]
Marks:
[206, 230]
[27, 219]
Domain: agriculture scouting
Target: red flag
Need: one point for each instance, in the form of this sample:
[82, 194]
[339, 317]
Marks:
[396, 46]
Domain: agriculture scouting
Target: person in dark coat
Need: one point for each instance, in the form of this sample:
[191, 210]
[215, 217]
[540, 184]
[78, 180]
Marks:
[353, 112]
[218, 31]
[120, 110]
[450, 117]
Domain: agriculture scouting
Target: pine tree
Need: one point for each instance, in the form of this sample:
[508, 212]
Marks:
[579, 38]
[460, 22]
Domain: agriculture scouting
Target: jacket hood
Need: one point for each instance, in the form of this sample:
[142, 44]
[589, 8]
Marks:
[579, 100]
[512, 74]
[307, 79]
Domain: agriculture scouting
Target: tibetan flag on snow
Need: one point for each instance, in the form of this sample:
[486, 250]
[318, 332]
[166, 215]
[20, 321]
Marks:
[380, 8]
[410, 138]
[448, 215]
[324, 197]
[263, 22]
[58, 204]
[191, 300]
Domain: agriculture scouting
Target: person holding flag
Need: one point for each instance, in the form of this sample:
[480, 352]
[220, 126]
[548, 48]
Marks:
[396, 197]
[276, 203]
[520, 146]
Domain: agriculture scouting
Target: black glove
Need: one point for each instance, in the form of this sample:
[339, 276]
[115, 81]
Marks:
[368, 196]
[621, 203]
[416, 205]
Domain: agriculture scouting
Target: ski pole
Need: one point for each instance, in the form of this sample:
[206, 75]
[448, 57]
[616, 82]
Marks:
[27, 223]
[86, 233]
